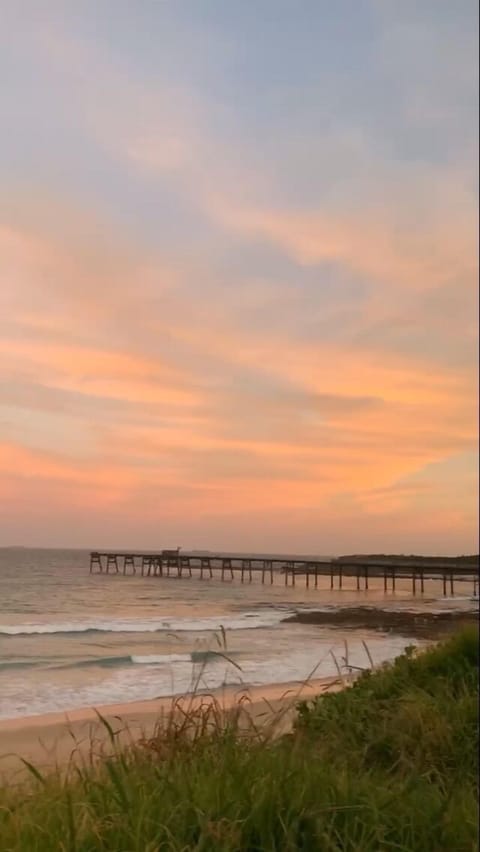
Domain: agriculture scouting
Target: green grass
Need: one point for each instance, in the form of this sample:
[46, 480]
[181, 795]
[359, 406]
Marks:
[389, 764]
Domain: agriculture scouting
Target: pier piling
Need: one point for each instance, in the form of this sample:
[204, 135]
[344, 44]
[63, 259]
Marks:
[170, 563]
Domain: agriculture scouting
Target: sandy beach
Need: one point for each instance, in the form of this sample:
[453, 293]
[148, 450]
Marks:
[54, 739]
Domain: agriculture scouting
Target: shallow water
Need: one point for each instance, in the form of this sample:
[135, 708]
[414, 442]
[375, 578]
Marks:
[70, 639]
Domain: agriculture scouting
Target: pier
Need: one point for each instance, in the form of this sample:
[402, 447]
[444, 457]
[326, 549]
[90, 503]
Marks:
[230, 567]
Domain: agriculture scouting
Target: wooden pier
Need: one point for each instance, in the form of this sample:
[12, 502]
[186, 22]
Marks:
[174, 563]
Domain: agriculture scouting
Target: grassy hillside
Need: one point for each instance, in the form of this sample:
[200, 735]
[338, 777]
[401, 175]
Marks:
[389, 764]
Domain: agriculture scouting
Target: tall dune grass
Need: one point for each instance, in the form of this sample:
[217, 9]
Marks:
[388, 764]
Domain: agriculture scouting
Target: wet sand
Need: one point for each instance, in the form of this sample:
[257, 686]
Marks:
[56, 739]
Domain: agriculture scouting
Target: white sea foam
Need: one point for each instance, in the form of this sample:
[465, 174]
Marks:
[242, 621]
[158, 659]
[57, 621]
[149, 681]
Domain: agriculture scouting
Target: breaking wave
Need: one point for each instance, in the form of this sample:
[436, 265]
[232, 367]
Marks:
[242, 621]
[197, 657]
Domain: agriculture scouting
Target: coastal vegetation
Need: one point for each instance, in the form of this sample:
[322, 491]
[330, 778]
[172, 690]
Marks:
[464, 559]
[389, 763]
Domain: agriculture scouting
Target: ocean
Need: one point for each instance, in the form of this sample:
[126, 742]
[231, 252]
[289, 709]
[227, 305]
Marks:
[69, 639]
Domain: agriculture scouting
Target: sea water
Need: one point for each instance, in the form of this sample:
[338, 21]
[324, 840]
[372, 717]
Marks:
[69, 639]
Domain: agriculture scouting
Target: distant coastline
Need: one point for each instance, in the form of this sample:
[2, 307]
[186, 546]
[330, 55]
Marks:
[470, 559]
[466, 559]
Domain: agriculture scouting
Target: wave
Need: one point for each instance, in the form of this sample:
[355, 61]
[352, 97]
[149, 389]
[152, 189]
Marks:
[158, 659]
[143, 682]
[52, 663]
[103, 662]
[21, 664]
[192, 657]
[243, 621]
[119, 661]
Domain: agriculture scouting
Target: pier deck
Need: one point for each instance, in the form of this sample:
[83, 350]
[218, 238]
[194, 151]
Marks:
[176, 563]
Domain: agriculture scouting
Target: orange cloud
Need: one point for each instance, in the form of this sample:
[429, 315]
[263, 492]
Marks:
[217, 419]
[382, 247]
[102, 373]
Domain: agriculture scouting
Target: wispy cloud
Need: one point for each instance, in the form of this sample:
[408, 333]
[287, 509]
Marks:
[233, 333]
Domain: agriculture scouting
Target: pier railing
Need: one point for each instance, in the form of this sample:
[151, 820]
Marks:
[174, 563]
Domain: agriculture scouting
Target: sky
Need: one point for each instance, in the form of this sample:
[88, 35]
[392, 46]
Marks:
[239, 275]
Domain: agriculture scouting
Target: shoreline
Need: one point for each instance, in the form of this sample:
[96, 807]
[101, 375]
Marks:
[48, 739]
[53, 740]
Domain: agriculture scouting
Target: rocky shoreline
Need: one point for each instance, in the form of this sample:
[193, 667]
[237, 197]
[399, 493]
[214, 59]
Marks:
[425, 624]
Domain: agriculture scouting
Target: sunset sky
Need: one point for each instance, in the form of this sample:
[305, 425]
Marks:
[238, 275]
